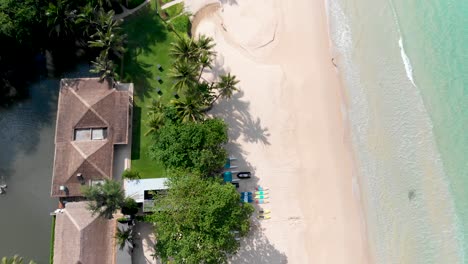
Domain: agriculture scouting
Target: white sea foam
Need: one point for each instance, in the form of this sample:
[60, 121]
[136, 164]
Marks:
[395, 147]
[406, 62]
[404, 56]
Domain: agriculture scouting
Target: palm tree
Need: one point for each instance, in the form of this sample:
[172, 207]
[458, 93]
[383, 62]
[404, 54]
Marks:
[155, 122]
[105, 198]
[226, 87]
[156, 107]
[203, 92]
[14, 260]
[185, 49]
[104, 67]
[108, 40]
[189, 109]
[85, 19]
[60, 18]
[205, 45]
[205, 62]
[184, 74]
[124, 236]
[108, 36]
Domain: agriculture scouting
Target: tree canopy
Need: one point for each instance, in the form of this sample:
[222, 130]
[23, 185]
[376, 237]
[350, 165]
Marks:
[198, 220]
[104, 199]
[192, 146]
[30, 29]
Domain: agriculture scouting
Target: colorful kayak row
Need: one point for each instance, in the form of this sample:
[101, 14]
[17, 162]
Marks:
[261, 194]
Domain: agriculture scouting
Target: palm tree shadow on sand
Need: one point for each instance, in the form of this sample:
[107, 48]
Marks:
[235, 112]
[256, 248]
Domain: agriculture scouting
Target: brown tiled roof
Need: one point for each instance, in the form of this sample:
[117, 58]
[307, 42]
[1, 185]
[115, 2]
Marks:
[81, 237]
[87, 103]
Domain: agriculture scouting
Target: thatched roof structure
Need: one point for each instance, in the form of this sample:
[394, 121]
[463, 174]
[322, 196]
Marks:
[92, 116]
[83, 238]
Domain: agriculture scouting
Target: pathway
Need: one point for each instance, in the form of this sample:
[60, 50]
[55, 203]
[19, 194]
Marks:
[144, 244]
[126, 12]
[167, 5]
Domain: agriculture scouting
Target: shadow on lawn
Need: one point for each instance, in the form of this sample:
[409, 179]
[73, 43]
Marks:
[136, 141]
[144, 30]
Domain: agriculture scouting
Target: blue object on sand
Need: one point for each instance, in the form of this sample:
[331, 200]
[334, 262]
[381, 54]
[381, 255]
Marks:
[246, 197]
[228, 164]
[227, 176]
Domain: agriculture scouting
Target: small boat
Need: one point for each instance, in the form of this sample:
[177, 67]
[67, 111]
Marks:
[260, 188]
[3, 185]
[261, 201]
[264, 211]
[261, 196]
[246, 197]
[261, 192]
[244, 174]
[263, 216]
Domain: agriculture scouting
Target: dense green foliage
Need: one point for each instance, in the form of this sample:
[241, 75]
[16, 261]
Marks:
[104, 199]
[123, 236]
[193, 146]
[197, 220]
[130, 206]
[175, 10]
[133, 3]
[131, 174]
[41, 36]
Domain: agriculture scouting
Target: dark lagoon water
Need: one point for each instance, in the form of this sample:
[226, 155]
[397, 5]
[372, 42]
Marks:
[27, 132]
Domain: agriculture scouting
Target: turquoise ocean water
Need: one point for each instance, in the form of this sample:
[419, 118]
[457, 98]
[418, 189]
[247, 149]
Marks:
[404, 67]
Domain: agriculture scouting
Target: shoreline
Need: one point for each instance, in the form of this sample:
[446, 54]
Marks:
[288, 126]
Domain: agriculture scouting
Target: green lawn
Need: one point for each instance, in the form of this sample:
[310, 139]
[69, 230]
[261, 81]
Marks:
[148, 45]
[52, 240]
[175, 10]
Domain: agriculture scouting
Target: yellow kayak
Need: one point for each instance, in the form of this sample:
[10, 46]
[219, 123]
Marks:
[263, 216]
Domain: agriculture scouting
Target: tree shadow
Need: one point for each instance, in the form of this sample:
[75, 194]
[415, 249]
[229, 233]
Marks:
[136, 133]
[144, 232]
[256, 248]
[144, 29]
[22, 125]
[235, 112]
[229, 2]
[26, 160]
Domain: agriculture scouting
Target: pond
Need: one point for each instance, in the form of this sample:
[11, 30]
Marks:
[27, 132]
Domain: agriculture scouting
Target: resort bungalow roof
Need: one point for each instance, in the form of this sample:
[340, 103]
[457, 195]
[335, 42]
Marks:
[92, 117]
[81, 237]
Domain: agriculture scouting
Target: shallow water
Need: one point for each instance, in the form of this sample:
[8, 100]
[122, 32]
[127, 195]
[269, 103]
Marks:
[27, 133]
[403, 123]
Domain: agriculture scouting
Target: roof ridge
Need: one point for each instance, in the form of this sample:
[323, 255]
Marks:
[90, 106]
[86, 158]
[72, 219]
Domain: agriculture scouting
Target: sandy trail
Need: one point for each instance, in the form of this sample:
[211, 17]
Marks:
[286, 126]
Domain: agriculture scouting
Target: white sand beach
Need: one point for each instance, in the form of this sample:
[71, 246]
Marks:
[286, 126]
